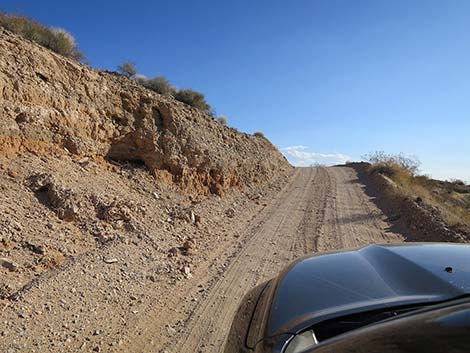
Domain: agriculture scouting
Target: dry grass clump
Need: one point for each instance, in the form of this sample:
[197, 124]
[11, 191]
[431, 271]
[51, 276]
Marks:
[451, 198]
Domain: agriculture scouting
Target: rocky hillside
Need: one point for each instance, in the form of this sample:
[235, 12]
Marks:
[49, 102]
[111, 198]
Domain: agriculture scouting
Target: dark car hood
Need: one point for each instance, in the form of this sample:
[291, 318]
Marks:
[322, 287]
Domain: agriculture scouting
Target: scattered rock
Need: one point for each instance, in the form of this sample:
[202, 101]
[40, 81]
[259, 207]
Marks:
[83, 161]
[110, 260]
[187, 271]
[37, 249]
[192, 217]
[61, 199]
[8, 264]
[5, 290]
[40, 181]
[152, 278]
[230, 213]
[115, 211]
[171, 331]
[188, 247]
[173, 252]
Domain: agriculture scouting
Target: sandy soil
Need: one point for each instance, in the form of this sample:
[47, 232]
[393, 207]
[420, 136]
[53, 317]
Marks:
[135, 295]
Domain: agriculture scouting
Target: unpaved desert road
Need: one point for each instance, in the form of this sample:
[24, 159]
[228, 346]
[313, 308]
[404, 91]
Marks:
[321, 209]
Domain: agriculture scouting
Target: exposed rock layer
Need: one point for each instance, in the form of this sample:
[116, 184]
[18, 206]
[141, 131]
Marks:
[49, 103]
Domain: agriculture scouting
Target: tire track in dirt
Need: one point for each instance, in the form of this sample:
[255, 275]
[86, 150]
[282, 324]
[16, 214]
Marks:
[268, 250]
[321, 209]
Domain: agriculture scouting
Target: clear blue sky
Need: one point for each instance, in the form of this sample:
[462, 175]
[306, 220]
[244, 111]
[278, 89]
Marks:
[321, 78]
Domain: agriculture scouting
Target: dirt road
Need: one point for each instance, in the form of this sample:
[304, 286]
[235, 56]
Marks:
[320, 209]
[132, 296]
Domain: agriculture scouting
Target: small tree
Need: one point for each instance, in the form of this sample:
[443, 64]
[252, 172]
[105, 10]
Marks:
[194, 99]
[128, 69]
[222, 120]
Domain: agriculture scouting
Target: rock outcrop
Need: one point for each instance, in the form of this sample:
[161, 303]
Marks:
[50, 104]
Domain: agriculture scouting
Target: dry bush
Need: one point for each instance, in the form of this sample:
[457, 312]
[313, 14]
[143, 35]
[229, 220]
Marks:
[222, 120]
[158, 84]
[194, 99]
[451, 198]
[127, 69]
[390, 165]
[55, 39]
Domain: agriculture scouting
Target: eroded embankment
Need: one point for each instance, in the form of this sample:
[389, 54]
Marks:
[409, 215]
[50, 103]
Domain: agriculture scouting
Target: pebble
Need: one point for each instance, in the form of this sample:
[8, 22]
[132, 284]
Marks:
[171, 330]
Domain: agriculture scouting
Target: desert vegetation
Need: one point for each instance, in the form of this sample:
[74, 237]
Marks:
[194, 99]
[55, 39]
[127, 69]
[158, 84]
[451, 197]
[161, 85]
[222, 120]
[62, 42]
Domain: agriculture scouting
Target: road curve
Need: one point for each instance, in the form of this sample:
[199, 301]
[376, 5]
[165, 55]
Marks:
[321, 209]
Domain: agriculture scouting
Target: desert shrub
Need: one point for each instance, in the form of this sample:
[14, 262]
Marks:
[55, 39]
[140, 79]
[390, 165]
[194, 99]
[451, 198]
[222, 120]
[160, 85]
[259, 134]
[127, 69]
[384, 169]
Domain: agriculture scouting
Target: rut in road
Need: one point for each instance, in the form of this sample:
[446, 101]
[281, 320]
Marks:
[321, 209]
